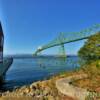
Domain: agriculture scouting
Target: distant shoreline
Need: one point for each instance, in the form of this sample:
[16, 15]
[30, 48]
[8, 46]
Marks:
[31, 56]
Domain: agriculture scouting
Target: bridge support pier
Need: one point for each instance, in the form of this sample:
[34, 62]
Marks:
[62, 51]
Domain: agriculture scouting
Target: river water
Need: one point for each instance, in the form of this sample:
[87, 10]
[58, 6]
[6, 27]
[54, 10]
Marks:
[26, 70]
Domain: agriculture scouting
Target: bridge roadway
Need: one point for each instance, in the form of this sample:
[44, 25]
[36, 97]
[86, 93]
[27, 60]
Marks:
[57, 44]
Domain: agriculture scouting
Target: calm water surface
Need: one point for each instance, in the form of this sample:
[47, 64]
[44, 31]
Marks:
[27, 70]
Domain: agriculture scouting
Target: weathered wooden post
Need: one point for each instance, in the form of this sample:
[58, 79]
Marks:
[1, 43]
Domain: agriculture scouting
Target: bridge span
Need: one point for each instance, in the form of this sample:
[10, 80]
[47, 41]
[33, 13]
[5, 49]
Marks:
[69, 37]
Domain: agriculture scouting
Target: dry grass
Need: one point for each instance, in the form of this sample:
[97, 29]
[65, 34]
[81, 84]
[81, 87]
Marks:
[16, 98]
[92, 83]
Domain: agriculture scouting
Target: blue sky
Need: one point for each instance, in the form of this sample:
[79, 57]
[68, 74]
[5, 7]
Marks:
[28, 24]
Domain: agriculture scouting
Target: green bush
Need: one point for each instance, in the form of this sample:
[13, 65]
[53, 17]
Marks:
[90, 51]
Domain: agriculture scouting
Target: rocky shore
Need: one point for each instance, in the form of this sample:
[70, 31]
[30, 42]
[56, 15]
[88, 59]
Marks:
[37, 91]
[41, 90]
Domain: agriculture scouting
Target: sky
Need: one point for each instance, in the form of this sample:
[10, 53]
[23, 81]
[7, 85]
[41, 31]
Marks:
[28, 24]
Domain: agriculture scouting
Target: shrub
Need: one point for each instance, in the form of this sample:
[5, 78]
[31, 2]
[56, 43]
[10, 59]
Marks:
[90, 51]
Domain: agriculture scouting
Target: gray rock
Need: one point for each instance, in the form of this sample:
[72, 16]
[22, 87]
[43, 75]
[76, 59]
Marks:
[46, 91]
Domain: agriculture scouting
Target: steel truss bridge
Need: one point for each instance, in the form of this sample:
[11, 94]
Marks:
[64, 38]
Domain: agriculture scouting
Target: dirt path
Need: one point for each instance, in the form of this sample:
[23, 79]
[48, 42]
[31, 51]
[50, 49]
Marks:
[64, 86]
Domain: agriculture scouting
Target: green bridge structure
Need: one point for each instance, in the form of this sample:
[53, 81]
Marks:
[64, 38]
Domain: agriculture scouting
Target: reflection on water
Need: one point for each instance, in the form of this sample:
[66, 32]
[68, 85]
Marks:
[26, 70]
[58, 63]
